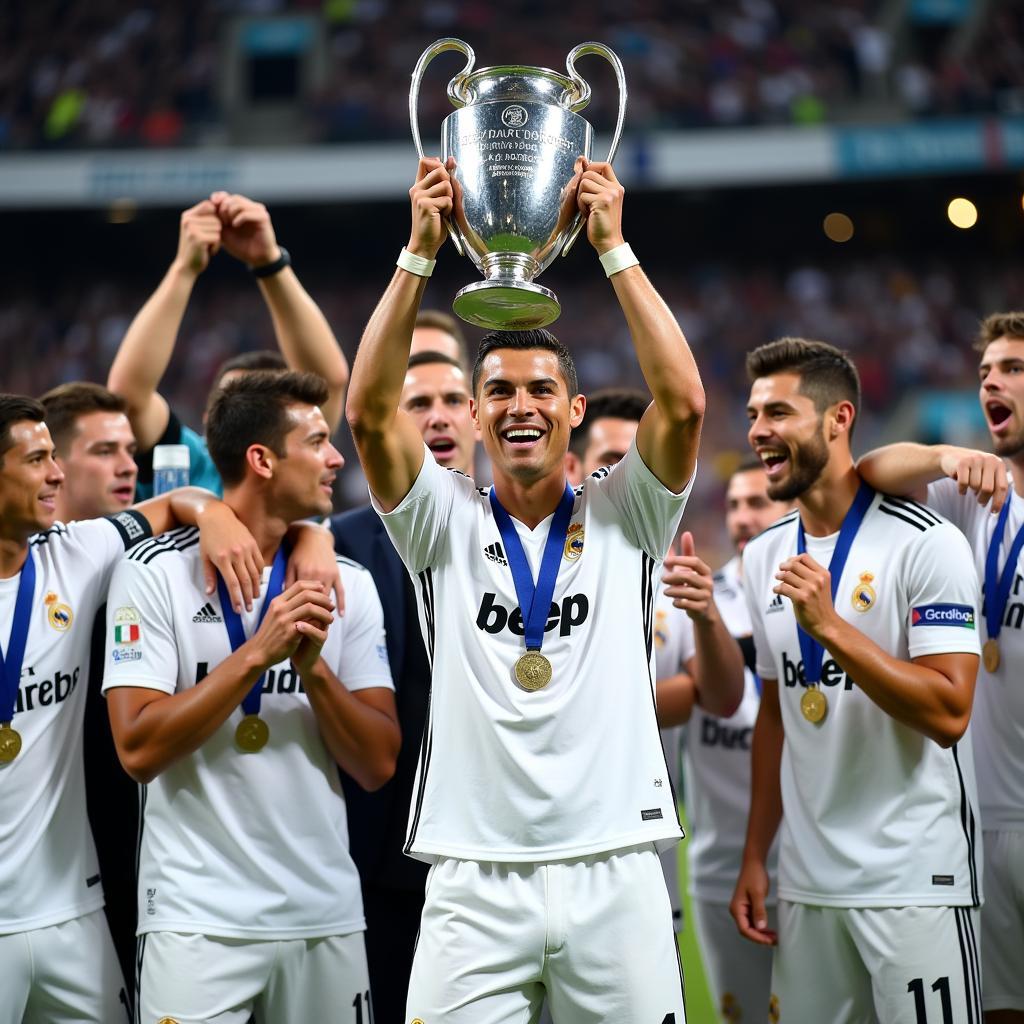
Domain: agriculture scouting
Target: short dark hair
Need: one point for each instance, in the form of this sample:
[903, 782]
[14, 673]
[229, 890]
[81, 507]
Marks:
[443, 322]
[261, 359]
[254, 410]
[747, 464]
[615, 403]
[524, 340]
[66, 402]
[827, 374]
[428, 356]
[999, 325]
[15, 409]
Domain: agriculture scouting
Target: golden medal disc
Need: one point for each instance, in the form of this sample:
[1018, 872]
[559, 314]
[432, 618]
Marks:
[813, 705]
[533, 671]
[990, 655]
[10, 743]
[252, 734]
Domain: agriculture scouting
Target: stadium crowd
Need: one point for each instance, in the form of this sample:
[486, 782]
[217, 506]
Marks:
[115, 74]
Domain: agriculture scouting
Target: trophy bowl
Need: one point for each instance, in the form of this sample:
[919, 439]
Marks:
[516, 139]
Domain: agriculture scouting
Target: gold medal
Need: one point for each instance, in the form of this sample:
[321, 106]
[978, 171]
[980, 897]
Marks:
[10, 743]
[813, 705]
[990, 655]
[533, 671]
[252, 734]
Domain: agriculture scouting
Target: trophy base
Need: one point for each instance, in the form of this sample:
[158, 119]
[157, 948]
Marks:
[507, 305]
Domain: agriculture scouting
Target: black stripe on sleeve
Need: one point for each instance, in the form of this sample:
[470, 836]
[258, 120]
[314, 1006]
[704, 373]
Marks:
[914, 508]
[132, 525]
[916, 523]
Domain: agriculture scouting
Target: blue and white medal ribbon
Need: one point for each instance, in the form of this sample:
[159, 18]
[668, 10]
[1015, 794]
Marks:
[998, 586]
[10, 665]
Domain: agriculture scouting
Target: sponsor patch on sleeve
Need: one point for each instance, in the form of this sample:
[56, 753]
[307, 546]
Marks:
[943, 615]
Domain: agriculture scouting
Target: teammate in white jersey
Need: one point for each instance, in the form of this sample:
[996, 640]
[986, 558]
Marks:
[248, 899]
[58, 963]
[542, 787]
[717, 753]
[970, 488]
[868, 670]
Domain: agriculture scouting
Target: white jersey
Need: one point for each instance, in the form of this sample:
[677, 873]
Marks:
[998, 718]
[570, 770]
[673, 648]
[874, 813]
[239, 845]
[717, 764]
[48, 867]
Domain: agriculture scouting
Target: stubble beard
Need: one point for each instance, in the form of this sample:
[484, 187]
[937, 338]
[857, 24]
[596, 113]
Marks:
[806, 464]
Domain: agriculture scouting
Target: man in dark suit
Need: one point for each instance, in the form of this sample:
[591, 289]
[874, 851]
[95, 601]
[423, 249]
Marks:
[436, 394]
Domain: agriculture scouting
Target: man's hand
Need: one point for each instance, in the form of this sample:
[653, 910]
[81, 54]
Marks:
[307, 654]
[313, 558]
[600, 201]
[228, 547]
[747, 906]
[302, 611]
[977, 471]
[809, 586]
[689, 581]
[431, 199]
[247, 232]
[199, 237]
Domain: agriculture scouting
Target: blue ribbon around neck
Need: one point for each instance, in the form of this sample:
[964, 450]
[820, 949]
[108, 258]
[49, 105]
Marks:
[10, 664]
[998, 585]
[233, 622]
[535, 599]
[810, 650]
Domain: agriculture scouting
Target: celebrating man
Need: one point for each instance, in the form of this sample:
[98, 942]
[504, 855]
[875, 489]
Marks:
[542, 789]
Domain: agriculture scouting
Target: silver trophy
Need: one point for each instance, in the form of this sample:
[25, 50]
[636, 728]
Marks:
[515, 137]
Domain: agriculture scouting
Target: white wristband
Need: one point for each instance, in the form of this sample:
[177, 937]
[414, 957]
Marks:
[619, 258]
[417, 265]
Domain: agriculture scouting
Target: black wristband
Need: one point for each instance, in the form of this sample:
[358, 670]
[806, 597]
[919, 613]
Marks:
[269, 269]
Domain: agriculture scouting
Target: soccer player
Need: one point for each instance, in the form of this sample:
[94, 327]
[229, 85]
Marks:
[244, 229]
[436, 395]
[864, 610]
[437, 331]
[248, 899]
[58, 961]
[542, 789]
[716, 751]
[992, 518]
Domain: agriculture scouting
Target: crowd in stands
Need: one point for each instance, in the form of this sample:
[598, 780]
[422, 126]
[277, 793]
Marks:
[111, 73]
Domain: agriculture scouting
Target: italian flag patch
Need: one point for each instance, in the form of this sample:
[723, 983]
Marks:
[126, 633]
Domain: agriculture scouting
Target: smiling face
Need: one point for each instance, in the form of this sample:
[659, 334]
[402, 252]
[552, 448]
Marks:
[304, 477]
[1002, 394]
[788, 434]
[524, 413]
[29, 481]
[98, 461]
[748, 508]
[436, 396]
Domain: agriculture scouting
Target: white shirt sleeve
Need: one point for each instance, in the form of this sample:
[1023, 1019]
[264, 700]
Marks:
[418, 526]
[140, 649]
[648, 510]
[363, 661]
[944, 496]
[943, 594]
[104, 541]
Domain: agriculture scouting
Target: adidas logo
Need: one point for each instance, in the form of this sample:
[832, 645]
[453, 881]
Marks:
[776, 605]
[207, 614]
[495, 553]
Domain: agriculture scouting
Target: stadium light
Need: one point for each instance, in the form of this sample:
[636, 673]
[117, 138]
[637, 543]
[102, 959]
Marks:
[838, 227]
[962, 213]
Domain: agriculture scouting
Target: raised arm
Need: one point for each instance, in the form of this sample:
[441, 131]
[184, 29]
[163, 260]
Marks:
[146, 348]
[389, 444]
[303, 334]
[908, 469]
[670, 429]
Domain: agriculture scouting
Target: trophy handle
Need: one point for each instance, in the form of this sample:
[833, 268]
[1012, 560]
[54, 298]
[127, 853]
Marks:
[583, 90]
[455, 94]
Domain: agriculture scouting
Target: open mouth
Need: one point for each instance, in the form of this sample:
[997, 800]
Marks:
[442, 447]
[124, 494]
[774, 461]
[998, 414]
[522, 437]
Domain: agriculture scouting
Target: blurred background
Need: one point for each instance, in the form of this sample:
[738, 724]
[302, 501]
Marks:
[849, 170]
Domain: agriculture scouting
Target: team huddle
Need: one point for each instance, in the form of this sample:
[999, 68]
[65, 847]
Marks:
[420, 762]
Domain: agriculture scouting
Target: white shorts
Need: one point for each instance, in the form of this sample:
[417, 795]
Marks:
[67, 972]
[898, 965]
[594, 933]
[196, 979]
[739, 972]
[1002, 921]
